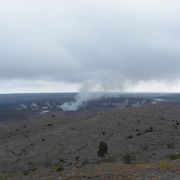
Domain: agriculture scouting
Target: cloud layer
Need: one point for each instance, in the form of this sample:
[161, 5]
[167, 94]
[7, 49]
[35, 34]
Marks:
[112, 43]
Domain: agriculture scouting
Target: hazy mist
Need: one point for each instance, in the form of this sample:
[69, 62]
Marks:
[89, 45]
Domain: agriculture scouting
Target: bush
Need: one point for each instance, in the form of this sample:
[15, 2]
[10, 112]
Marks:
[110, 159]
[26, 172]
[62, 161]
[103, 149]
[130, 136]
[85, 162]
[175, 156]
[164, 165]
[127, 159]
[59, 168]
[150, 129]
[4, 177]
[139, 134]
[77, 158]
[145, 147]
[170, 145]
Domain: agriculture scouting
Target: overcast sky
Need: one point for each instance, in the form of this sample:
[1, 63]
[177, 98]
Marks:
[90, 45]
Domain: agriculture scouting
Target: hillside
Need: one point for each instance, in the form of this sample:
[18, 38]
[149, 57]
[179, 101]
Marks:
[58, 144]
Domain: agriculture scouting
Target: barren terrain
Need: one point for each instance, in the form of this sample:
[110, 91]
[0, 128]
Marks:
[63, 145]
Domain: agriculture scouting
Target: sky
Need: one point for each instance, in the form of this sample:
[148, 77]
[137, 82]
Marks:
[89, 45]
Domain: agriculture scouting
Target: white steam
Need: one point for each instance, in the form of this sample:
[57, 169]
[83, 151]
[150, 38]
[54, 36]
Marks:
[90, 90]
[80, 99]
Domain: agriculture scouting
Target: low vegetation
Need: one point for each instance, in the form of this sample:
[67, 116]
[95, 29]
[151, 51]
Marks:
[127, 159]
[60, 165]
[175, 156]
[103, 149]
[4, 177]
[150, 129]
[164, 165]
[130, 136]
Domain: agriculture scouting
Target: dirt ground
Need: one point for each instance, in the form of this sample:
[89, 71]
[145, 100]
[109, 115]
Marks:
[64, 145]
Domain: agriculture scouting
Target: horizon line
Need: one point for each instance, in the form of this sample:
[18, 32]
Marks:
[73, 92]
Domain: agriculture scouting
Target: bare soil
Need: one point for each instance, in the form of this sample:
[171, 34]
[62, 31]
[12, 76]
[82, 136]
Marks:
[64, 145]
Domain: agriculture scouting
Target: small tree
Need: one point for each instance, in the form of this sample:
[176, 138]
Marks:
[103, 149]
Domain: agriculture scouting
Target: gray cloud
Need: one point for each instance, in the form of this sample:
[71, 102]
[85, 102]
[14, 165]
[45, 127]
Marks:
[106, 41]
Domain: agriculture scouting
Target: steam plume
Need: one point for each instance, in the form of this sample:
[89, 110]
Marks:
[90, 90]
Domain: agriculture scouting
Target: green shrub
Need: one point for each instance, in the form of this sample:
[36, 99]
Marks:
[127, 159]
[59, 168]
[62, 161]
[103, 149]
[175, 156]
[150, 129]
[110, 159]
[77, 158]
[4, 177]
[85, 162]
[130, 136]
[145, 147]
[26, 172]
[139, 134]
[163, 165]
[170, 145]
